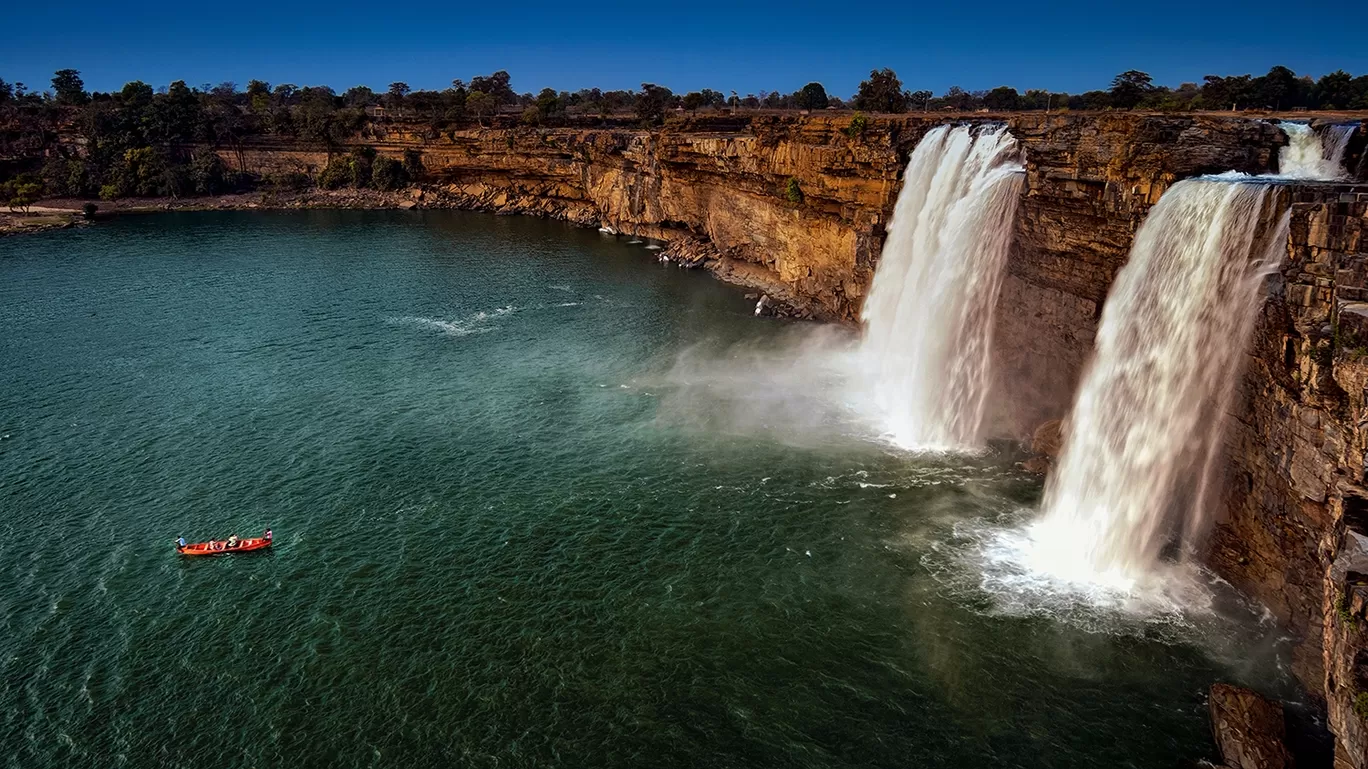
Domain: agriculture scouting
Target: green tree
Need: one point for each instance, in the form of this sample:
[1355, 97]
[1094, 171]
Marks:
[207, 173]
[550, 108]
[882, 92]
[652, 102]
[22, 191]
[360, 96]
[175, 116]
[497, 86]
[481, 105]
[958, 99]
[693, 100]
[67, 177]
[394, 98]
[1002, 99]
[1335, 90]
[6, 92]
[811, 96]
[1129, 88]
[259, 96]
[919, 99]
[1279, 89]
[69, 88]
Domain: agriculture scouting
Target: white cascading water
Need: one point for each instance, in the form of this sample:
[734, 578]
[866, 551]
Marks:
[1147, 424]
[929, 315]
[1314, 155]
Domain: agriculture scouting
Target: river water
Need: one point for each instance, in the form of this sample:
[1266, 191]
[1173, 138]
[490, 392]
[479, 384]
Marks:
[534, 506]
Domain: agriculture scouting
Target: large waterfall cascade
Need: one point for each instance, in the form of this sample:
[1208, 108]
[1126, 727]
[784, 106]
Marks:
[1147, 424]
[1312, 154]
[929, 314]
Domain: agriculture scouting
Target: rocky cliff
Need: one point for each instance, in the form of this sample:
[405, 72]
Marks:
[1295, 509]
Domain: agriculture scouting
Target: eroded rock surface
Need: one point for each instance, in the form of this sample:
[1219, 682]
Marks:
[1249, 729]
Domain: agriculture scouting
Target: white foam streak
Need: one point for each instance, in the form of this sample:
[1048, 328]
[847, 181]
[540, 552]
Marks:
[929, 314]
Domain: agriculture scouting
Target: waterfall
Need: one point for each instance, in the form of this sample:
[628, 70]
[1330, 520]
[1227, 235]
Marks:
[929, 315]
[1146, 427]
[1314, 155]
[1335, 139]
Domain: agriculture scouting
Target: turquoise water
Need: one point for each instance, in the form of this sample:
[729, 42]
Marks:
[512, 529]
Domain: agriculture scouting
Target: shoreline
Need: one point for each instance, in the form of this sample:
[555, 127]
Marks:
[688, 252]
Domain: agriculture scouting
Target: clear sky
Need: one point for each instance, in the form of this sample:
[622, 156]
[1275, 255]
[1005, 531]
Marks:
[748, 47]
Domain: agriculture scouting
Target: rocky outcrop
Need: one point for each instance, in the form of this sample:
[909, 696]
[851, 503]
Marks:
[1248, 728]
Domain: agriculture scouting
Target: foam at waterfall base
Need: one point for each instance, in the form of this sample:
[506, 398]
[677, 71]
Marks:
[1006, 567]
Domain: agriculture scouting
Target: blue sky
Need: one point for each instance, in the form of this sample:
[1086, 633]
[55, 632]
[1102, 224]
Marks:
[748, 47]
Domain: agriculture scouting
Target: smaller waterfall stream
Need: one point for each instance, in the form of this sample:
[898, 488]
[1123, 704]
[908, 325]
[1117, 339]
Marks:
[929, 314]
[1314, 155]
[1148, 420]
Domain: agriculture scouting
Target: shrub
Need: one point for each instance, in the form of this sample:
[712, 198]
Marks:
[361, 161]
[67, 177]
[793, 192]
[1361, 705]
[857, 125]
[207, 173]
[88, 210]
[1342, 610]
[289, 181]
[337, 175]
[388, 174]
[413, 162]
[238, 181]
[110, 192]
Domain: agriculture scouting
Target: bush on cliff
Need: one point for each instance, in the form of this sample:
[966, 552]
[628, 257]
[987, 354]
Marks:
[336, 176]
[793, 193]
[857, 125]
[388, 174]
[413, 163]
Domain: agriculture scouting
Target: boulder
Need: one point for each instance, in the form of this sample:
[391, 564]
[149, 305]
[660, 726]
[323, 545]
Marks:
[1048, 439]
[1248, 728]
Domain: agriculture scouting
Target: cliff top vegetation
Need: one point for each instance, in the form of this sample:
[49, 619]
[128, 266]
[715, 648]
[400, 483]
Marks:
[141, 141]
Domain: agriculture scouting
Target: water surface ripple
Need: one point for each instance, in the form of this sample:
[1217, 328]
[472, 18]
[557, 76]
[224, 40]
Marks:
[496, 546]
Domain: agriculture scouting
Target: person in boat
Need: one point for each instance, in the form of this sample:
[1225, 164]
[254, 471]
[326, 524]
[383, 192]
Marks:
[232, 542]
[268, 535]
[180, 543]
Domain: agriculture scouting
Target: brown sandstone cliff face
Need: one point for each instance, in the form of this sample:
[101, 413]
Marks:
[1296, 512]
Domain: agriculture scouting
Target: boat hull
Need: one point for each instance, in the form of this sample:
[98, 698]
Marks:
[220, 547]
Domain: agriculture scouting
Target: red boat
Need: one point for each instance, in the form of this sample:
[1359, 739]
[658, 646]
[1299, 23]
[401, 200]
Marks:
[225, 546]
